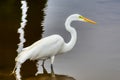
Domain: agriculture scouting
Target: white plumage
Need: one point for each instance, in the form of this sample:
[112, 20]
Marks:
[42, 49]
[50, 46]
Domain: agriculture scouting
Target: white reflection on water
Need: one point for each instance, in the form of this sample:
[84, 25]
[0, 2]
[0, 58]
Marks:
[96, 55]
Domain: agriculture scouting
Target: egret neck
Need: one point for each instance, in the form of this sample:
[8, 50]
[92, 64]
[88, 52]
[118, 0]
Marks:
[68, 46]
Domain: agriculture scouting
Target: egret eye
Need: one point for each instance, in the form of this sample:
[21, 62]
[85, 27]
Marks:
[81, 17]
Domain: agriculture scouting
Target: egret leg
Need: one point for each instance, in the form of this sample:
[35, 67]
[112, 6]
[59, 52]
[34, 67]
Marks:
[38, 67]
[43, 63]
[52, 70]
[43, 66]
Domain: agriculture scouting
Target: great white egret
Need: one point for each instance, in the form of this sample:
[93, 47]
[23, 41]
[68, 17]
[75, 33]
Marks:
[50, 46]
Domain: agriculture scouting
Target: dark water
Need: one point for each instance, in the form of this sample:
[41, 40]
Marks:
[10, 22]
[96, 56]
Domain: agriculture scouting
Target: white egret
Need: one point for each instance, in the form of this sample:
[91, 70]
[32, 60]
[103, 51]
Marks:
[50, 46]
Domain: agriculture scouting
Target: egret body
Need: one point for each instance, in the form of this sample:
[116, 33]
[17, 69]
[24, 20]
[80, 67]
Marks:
[50, 46]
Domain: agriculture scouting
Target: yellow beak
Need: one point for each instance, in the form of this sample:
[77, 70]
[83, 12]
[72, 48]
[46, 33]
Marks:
[88, 20]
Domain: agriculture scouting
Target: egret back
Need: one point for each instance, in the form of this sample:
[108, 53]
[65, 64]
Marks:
[41, 49]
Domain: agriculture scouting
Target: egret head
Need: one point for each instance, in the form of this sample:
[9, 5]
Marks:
[79, 17]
